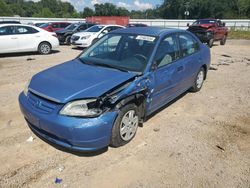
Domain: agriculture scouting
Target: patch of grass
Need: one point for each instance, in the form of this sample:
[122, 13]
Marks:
[239, 34]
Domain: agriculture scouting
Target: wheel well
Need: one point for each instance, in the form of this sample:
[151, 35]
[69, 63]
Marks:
[137, 99]
[44, 42]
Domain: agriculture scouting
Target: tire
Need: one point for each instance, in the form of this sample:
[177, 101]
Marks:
[123, 133]
[210, 43]
[223, 41]
[67, 40]
[44, 48]
[199, 79]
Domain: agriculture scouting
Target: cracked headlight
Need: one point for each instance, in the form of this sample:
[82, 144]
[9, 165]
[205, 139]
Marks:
[81, 108]
[85, 37]
[26, 88]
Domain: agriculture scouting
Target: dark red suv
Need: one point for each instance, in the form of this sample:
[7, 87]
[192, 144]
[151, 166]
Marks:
[54, 26]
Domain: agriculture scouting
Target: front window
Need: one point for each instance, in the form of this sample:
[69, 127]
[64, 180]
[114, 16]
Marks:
[168, 51]
[125, 52]
[95, 28]
[72, 26]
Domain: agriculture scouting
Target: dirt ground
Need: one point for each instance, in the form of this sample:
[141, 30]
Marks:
[200, 140]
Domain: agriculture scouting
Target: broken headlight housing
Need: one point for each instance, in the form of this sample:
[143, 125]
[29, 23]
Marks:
[81, 108]
[26, 88]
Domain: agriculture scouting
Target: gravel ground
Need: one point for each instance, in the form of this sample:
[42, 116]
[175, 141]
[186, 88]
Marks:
[200, 140]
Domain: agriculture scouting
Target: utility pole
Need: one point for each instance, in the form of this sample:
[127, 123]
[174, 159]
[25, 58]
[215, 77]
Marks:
[186, 12]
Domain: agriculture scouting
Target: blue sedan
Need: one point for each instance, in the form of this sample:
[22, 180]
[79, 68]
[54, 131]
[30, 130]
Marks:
[99, 98]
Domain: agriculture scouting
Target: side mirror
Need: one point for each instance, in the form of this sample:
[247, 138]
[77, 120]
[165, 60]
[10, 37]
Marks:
[188, 24]
[223, 24]
[104, 32]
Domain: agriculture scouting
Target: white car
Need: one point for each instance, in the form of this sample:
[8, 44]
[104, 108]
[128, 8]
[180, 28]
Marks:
[90, 35]
[26, 38]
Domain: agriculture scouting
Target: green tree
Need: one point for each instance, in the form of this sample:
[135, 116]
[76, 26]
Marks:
[45, 13]
[4, 9]
[87, 12]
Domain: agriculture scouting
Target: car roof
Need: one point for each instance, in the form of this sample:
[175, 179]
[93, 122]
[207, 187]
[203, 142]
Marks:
[15, 24]
[152, 31]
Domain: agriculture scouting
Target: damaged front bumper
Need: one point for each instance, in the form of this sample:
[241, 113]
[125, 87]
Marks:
[80, 134]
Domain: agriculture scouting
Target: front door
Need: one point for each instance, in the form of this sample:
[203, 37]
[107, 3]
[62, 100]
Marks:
[168, 74]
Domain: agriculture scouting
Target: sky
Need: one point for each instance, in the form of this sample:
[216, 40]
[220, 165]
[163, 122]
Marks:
[128, 4]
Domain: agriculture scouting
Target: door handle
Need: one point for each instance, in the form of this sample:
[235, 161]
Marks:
[13, 37]
[179, 69]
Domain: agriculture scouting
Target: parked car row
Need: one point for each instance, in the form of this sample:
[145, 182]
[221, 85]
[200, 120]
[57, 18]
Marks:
[48, 36]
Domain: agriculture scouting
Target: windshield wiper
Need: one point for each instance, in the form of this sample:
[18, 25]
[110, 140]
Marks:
[103, 65]
[109, 66]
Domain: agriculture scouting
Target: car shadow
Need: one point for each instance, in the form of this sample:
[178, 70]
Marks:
[19, 54]
[78, 48]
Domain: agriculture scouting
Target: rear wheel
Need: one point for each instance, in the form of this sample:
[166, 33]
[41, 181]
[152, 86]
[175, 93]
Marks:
[44, 48]
[200, 77]
[223, 41]
[125, 126]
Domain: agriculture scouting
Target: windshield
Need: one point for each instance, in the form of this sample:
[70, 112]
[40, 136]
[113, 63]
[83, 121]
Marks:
[125, 52]
[199, 22]
[71, 26]
[94, 28]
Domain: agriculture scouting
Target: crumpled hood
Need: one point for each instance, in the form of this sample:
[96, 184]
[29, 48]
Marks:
[74, 80]
[205, 26]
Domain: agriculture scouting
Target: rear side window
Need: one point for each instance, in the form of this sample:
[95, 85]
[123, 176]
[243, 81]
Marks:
[63, 25]
[167, 52]
[25, 30]
[115, 27]
[188, 44]
[7, 30]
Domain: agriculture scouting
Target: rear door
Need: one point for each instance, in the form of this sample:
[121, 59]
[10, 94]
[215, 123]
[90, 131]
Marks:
[168, 74]
[9, 40]
[28, 38]
[190, 59]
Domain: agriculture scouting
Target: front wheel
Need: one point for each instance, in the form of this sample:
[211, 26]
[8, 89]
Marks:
[223, 41]
[200, 77]
[125, 126]
[44, 48]
[67, 40]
